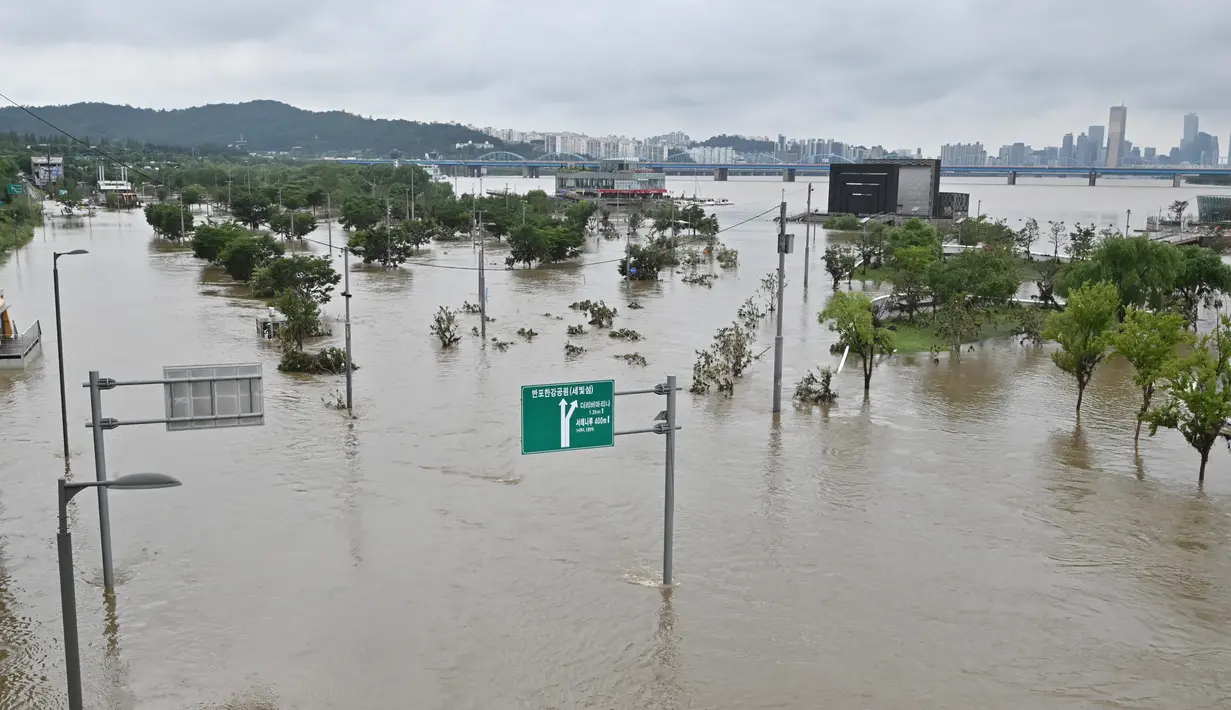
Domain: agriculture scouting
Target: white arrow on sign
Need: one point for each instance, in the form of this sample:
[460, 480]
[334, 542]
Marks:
[566, 419]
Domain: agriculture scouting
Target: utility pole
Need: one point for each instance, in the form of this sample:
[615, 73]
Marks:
[482, 285]
[1128, 215]
[182, 234]
[807, 236]
[345, 294]
[412, 191]
[784, 247]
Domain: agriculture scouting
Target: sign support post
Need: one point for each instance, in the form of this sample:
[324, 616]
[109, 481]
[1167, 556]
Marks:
[196, 397]
[550, 422]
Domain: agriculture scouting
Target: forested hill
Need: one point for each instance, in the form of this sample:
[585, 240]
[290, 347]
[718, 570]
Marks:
[265, 125]
[740, 143]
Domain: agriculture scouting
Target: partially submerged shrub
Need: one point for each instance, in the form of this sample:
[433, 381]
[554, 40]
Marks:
[444, 327]
[706, 280]
[816, 388]
[625, 334]
[326, 361]
[527, 333]
[576, 330]
[571, 350]
[632, 359]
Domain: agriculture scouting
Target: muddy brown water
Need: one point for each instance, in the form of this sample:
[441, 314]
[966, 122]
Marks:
[956, 541]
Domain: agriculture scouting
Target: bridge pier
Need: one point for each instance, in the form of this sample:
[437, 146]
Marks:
[1176, 181]
[788, 175]
[1012, 177]
[530, 171]
[474, 171]
[1093, 178]
[720, 174]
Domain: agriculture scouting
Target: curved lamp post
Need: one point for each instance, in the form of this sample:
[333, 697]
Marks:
[55, 272]
[64, 542]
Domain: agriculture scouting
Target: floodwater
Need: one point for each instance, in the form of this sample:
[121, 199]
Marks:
[954, 542]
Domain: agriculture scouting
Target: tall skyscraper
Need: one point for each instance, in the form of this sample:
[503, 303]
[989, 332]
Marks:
[1190, 130]
[1066, 150]
[1081, 149]
[1094, 145]
[1115, 134]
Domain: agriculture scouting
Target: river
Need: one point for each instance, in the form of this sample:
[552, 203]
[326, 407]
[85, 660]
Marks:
[954, 542]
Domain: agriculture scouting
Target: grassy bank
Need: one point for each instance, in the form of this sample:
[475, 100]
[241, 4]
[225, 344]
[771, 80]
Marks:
[13, 236]
[920, 336]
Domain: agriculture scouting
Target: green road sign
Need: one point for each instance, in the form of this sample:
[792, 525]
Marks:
[62, 192]
[15, 189]
[567, 416]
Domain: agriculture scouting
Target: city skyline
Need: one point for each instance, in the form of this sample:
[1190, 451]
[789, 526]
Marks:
[697, 67]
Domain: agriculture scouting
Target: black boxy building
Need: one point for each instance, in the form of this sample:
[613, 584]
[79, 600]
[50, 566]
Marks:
[905, 187]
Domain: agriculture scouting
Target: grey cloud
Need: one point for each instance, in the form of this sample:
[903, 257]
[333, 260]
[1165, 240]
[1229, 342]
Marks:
[897, 72]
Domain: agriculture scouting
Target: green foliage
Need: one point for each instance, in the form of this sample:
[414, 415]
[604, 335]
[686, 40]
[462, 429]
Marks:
[1031, 323]
[192, 195]
[1049, 272]
[601, 316]
[361, 212]
[1199, 388]
[852, 317]
[209, 240]
[957, 322]
[444, 327]
[725, 361]
[527, 333]
[1081, 242]
[816, 387]
[647, 260]
[544, 244]
[1202, 276]
[387, 244]
[839, 262]
[841, 223]
[982, 230]
[1148, 340]
[292, 224]
[571, 351]
[312, 277]
[243, 255]
[635, 221]
[17, 220]
[1083, 329]
[251, 209]
[1143, 271]
[989, 277]
[633, 359]
[914, 233]
[727, 258]
[910, 275]
[302, 318]
[169, 221]
[872, 245]
[330, 361]
[1025, 237]
[573, 330]
[625, 334]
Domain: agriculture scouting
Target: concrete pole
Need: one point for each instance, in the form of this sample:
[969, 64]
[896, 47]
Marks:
[669, 487]
[68, 604]
[482, 284]
[100, 474]
[55, 272]
[807, 236]
[781, 287]
[346, 295]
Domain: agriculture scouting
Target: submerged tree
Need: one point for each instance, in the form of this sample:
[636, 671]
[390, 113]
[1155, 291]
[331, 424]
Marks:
[1082, 330]
[852, 317]
[1199, 394]
[1148, 340]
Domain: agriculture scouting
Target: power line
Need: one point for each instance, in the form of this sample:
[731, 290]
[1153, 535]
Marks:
[75, 139]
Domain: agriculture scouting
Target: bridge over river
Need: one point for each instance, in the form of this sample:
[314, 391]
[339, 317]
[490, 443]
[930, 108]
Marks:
[763, 164]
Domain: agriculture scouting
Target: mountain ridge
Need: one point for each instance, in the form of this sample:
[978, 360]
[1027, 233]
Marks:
[265, 124]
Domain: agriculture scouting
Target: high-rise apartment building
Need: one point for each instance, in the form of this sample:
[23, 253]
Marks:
[963, 154]
[1115, 135]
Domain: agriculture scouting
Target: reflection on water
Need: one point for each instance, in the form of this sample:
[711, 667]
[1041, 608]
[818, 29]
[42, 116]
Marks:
[955, 540]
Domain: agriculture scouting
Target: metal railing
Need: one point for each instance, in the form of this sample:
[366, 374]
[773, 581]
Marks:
[20, 344]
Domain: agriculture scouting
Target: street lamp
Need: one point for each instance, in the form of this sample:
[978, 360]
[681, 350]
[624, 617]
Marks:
[64, 542]
[55, 272]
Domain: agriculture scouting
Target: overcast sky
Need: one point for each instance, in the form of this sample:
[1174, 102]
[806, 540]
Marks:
[902, 73]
